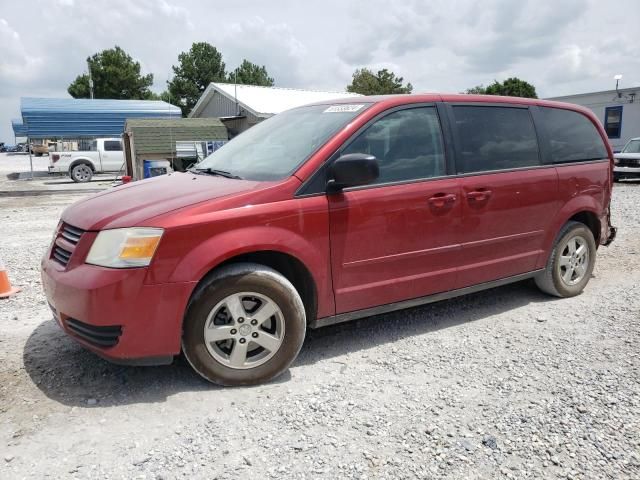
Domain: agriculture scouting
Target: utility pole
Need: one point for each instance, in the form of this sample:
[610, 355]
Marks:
[90, 79]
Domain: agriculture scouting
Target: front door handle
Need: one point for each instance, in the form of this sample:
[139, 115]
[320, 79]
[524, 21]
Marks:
[479, 195]
[442, 200]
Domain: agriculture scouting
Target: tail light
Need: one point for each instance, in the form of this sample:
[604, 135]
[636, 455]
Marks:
[55, 157]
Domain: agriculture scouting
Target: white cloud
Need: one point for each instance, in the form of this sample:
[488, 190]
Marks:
[441, 45]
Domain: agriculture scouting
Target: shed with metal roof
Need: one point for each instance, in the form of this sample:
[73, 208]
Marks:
[242, 106]
[181, 141]
[82, 118]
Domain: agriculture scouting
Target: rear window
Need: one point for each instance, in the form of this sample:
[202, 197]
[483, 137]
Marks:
[112, 146]
[494, 138]
[572, 136]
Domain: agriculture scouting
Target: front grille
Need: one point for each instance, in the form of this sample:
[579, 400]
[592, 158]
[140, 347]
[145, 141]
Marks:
[628, 162]
[61, 255]
[72, 234]
[65, 242]
[99, 336]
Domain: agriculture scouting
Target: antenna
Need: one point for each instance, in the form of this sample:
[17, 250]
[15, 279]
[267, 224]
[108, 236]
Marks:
[90, 79]
[235, 91]
[617, 78]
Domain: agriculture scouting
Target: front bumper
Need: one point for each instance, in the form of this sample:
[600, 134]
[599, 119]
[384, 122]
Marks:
[626, 171]
[114, 313]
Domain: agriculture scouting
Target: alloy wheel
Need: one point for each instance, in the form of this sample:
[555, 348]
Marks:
[574, 260]
[244, 330]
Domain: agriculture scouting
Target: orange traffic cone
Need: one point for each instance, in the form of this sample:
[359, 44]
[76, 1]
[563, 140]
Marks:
[5, 285]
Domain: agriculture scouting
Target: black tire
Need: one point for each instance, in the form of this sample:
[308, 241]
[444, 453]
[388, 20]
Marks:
[551, 280]
[215, 288]
[81, 173]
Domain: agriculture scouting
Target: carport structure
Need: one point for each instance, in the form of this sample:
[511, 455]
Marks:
[19, 128]
[83, 120]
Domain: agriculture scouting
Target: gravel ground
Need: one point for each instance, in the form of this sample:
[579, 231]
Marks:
[506, 383]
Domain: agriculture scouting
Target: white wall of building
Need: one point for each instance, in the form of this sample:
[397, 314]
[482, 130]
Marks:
[599, 101]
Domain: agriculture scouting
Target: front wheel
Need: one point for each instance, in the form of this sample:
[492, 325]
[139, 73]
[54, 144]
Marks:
[571, 262]
[81, 173]
[245, 324]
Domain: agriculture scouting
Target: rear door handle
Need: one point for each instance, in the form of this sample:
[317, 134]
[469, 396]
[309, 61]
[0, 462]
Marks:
[441, 200]
[479, 195]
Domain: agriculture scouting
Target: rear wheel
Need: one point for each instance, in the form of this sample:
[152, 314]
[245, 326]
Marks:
[245, 324]
[81, 173]
[571, 262]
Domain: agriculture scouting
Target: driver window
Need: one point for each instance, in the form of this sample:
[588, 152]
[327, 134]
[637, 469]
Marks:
[407, 144]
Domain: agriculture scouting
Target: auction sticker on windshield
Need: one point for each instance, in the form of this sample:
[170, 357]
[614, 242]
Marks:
[343, 108]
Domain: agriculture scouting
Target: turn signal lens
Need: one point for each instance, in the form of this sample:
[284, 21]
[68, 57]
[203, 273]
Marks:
[142, 247]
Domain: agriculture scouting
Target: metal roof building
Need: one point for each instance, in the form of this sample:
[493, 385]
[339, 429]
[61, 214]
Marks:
[242, 106]
[19, 129]
[81, 118]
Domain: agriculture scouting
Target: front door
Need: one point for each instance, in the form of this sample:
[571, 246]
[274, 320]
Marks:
[508, 196]
[111, 157]
[397, 239]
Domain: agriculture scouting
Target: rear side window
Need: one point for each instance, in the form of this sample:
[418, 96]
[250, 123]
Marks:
[112, 146]
[407, 144]
[494, 138]
[572, 136]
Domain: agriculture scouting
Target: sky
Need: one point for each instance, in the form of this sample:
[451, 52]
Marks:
[561, 47]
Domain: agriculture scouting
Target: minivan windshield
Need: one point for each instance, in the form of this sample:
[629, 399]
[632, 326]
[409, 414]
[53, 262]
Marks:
[274, 148]
[632, 147]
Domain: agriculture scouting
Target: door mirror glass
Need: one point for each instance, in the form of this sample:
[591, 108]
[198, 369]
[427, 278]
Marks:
[352, 170]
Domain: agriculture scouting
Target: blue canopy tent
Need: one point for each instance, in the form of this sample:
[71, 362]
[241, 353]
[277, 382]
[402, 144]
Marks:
[82, 118]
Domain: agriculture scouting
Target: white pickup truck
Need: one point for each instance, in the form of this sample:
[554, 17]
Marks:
[105, 156]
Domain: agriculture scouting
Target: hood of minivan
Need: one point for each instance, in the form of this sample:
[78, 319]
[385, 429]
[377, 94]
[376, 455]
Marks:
[131, 204]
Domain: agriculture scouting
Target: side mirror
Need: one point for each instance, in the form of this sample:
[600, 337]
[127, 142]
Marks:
[352, 170]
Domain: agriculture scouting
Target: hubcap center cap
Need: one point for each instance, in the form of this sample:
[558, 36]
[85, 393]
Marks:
[245, 330]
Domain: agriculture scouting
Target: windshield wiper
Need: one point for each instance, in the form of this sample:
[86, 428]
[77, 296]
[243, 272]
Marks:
[213, 171]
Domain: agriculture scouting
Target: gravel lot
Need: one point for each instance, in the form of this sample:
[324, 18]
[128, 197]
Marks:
[506, 383]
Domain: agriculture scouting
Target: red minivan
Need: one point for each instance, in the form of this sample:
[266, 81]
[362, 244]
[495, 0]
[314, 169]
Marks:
[327, 213]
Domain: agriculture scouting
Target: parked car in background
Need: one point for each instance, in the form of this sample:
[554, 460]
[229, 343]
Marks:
[105, 156]
[39, 149]
[2, 147]
[627, 162]
[328, 213]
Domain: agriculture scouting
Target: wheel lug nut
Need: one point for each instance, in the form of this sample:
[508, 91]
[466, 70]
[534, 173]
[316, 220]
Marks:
[254, 322]
[240, 320]
[233, 331]
[254, 334]
[242, 340]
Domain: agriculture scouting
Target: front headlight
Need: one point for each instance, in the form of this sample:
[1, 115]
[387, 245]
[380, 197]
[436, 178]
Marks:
[124, 247]
[616, 161]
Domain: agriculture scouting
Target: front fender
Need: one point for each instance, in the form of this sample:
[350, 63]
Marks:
[219, 248]
[226, 245]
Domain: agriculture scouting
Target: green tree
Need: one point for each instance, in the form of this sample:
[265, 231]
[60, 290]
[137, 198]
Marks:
[196, 69]
[364, 81]
[477, 90]
[511, 87]
[115, 75]
[250, 74]
[163, 96]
